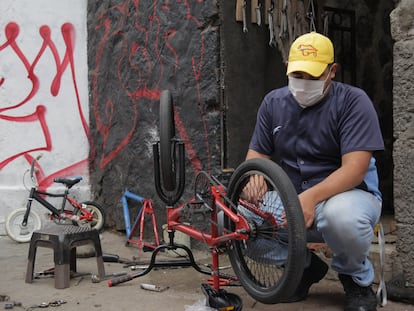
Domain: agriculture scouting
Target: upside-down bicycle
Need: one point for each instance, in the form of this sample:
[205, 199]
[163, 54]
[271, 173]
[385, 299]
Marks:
[264, 238]
[22, 222]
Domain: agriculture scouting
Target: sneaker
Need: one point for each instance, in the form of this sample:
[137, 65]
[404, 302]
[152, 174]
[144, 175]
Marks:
[311, 275]
[357, 298]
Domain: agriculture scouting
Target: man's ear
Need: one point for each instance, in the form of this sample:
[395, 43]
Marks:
[286, 63]
[334, 67]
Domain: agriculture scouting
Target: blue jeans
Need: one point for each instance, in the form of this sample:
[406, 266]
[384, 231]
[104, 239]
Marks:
[345, 222]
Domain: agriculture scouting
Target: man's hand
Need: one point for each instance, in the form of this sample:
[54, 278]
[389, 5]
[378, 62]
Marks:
[255, 189]
[308, 207]
[349, 175]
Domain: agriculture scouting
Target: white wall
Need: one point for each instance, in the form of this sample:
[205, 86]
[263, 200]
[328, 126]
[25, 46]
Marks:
[43, 67]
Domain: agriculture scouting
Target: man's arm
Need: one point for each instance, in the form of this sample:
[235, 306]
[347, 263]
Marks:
[251, 154]
[349, 175]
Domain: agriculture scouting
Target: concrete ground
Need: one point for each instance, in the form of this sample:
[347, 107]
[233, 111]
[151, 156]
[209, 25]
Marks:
[182, 285]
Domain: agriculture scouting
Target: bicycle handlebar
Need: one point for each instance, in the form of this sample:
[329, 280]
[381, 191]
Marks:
[33, 164]
[121, 279]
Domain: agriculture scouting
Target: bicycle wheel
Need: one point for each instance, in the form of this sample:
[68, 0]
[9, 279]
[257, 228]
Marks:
[16, 231]
[167, 146]
[98, 221]
[270, 262]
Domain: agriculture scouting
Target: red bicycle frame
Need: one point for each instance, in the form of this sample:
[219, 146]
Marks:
[213, 238]
[86, 215]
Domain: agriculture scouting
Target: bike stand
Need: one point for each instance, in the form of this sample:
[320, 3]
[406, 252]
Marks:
[146, 209]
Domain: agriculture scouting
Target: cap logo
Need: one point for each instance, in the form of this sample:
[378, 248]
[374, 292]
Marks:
[308, 49]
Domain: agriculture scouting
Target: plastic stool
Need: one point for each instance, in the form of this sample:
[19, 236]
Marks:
[63, 240]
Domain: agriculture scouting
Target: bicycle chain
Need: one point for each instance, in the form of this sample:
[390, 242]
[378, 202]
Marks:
[219, 189]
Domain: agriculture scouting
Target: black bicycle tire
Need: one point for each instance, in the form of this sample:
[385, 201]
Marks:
[167, 133]
[97, 207]
[293, 268]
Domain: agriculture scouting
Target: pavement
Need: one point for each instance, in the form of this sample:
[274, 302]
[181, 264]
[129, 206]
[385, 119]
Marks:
[181, 286]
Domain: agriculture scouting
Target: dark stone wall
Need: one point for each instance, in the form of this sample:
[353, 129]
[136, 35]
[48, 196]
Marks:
[136, 49]
[251, 68]
[374, 64]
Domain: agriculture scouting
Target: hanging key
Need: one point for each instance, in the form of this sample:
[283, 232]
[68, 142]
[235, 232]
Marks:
[259, 14]
[270, 18]
[256, 14]
[244, 16]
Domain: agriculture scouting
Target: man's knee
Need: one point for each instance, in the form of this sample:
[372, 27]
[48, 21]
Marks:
[345, 215]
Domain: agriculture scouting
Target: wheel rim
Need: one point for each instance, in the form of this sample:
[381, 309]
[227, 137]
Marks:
[268, 267]
[97, 220]
[20, 233]
[257, 261]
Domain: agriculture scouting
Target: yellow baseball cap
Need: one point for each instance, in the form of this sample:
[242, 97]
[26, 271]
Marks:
[310, 53]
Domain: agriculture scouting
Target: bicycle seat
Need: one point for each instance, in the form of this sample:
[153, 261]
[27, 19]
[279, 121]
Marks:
[68, 181]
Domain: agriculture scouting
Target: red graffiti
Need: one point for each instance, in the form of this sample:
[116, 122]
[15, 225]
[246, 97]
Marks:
[37, 116]
[147, 61]
[9, 110]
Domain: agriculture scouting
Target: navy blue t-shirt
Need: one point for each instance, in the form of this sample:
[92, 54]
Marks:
[309, 142]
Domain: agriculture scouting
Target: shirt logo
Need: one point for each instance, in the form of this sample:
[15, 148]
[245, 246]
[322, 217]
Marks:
[276, 129]
[307, 50]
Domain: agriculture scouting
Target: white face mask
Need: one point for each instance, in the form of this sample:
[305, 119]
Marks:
[307, 92]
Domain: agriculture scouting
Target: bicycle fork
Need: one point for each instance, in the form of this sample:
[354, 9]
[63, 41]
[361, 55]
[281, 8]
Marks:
[28, 207]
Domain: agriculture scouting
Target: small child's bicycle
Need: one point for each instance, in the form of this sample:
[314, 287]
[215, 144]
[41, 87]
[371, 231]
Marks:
[256, 220]
[22, 222]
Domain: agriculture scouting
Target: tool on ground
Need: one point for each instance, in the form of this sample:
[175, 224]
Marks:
[51, 273]
[163, 264]
[42, 305]
[96, 279]
[152, 287]
[115, 258]
[11, 305]
[45, 273]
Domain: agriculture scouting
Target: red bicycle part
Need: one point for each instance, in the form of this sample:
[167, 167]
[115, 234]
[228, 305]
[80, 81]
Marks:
[224, 282]
[146, 209]
[85, 215]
